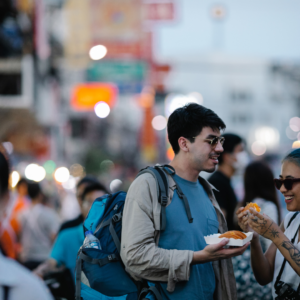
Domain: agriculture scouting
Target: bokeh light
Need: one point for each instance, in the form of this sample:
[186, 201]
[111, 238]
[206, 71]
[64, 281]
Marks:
[77, 170]
[170, 154]
[115, 185]
[268, 135]
[35, 172]
[15, 177]
[291, 134]
[49, 166]
[295, 124]
[296, 145]
[198, 98]
[174, 101]
[102, 109]
[258, 148]
[106, 165]
[62, 174]
[70, 183]
[98, 52]
[159, 122]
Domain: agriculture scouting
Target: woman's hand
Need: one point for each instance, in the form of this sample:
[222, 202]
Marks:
[243, 217]
[263, 225]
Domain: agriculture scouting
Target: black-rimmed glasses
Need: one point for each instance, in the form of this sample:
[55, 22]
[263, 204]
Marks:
[288, 183]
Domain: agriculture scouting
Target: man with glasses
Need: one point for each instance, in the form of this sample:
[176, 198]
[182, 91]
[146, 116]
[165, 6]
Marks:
[177, 258]
[232, 159]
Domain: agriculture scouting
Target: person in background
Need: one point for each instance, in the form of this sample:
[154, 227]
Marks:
[71, 236]
[9, 239]
[39, 226]
[260, 189]
[233, 158]
[80, 187]
[16, 282]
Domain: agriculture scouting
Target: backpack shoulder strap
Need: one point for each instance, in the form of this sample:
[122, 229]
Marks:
[162, 185]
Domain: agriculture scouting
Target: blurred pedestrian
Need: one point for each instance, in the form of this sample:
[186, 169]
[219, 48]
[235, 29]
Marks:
[260, 189]
[16, 282]
[9, 239]
[39, 226]
[71, 235]
[233, 158]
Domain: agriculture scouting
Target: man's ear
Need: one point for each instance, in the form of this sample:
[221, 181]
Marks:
[182, 142]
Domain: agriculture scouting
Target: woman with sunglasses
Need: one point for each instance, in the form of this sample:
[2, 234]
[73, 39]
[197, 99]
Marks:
[270, 266]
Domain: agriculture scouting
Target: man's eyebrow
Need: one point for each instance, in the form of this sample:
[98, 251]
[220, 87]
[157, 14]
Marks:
[211, 136]
[280, 176]
[289, 176]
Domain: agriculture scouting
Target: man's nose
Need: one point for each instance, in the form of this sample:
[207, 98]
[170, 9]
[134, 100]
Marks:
[219, 147]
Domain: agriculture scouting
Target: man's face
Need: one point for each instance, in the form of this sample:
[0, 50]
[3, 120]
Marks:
[89, 200]
[203, 155]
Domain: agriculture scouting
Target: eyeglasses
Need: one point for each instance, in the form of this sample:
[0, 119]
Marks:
[214, 141]
[288, 183]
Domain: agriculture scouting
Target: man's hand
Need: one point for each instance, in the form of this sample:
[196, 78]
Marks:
[217, 252]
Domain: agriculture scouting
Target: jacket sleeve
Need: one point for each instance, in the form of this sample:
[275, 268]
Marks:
[139, 252]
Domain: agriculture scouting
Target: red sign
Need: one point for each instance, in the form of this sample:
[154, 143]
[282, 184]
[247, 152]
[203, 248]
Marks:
[86, 95]
[164, 11]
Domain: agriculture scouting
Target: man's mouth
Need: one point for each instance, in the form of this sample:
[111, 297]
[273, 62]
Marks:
[288, 199]
[214, 158]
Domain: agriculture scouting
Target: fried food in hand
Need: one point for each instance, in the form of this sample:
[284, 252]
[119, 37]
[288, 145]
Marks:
[233, 234]
[252, 205]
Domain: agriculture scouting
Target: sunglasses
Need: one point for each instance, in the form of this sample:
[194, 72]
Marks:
[214, 142]
[288, 183]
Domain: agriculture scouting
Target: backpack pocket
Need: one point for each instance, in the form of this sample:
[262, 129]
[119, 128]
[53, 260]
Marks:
[106, 274]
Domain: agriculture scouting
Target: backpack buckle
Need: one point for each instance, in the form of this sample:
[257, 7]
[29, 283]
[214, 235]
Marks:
[116, 218]
[164, 200]
[112, 257]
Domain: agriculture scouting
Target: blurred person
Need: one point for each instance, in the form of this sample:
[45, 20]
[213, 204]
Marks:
[71, 235]
[39, 226]
[260, 189]
[16, 282]
[9, 239]
[177, 258]
[271, 266]
[231, 159]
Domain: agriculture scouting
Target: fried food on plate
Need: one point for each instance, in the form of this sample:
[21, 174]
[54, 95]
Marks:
[234, 234]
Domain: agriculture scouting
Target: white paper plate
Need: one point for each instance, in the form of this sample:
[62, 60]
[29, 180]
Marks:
[214, 239]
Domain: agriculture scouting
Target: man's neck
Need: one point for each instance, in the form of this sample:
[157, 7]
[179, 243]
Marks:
[183, 169]
[227, 170]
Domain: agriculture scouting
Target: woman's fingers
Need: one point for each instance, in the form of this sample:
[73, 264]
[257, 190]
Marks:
[255, 213]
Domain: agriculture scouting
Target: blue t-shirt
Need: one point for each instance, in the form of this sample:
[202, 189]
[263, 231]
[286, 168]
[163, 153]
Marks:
[66, 246]
[182, 235]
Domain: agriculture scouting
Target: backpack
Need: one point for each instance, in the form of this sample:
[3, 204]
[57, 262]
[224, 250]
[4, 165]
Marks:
[103, 270]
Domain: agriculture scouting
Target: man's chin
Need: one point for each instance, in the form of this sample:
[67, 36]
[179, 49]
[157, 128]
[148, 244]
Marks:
[210, 170]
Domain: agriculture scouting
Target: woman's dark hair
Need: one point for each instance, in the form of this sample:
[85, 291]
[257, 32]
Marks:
[294, 157]
[188, 122]
[4, 173]
[258, 182]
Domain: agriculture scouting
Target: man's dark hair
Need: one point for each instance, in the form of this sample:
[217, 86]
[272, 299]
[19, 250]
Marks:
[34, 190]
[231, 141]
[87, 179]
[188, 122]
[94, 187]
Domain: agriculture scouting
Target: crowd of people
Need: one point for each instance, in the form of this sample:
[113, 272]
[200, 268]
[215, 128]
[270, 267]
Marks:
[175, 259]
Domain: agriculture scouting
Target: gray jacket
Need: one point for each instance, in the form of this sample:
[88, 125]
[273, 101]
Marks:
[140, 236]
